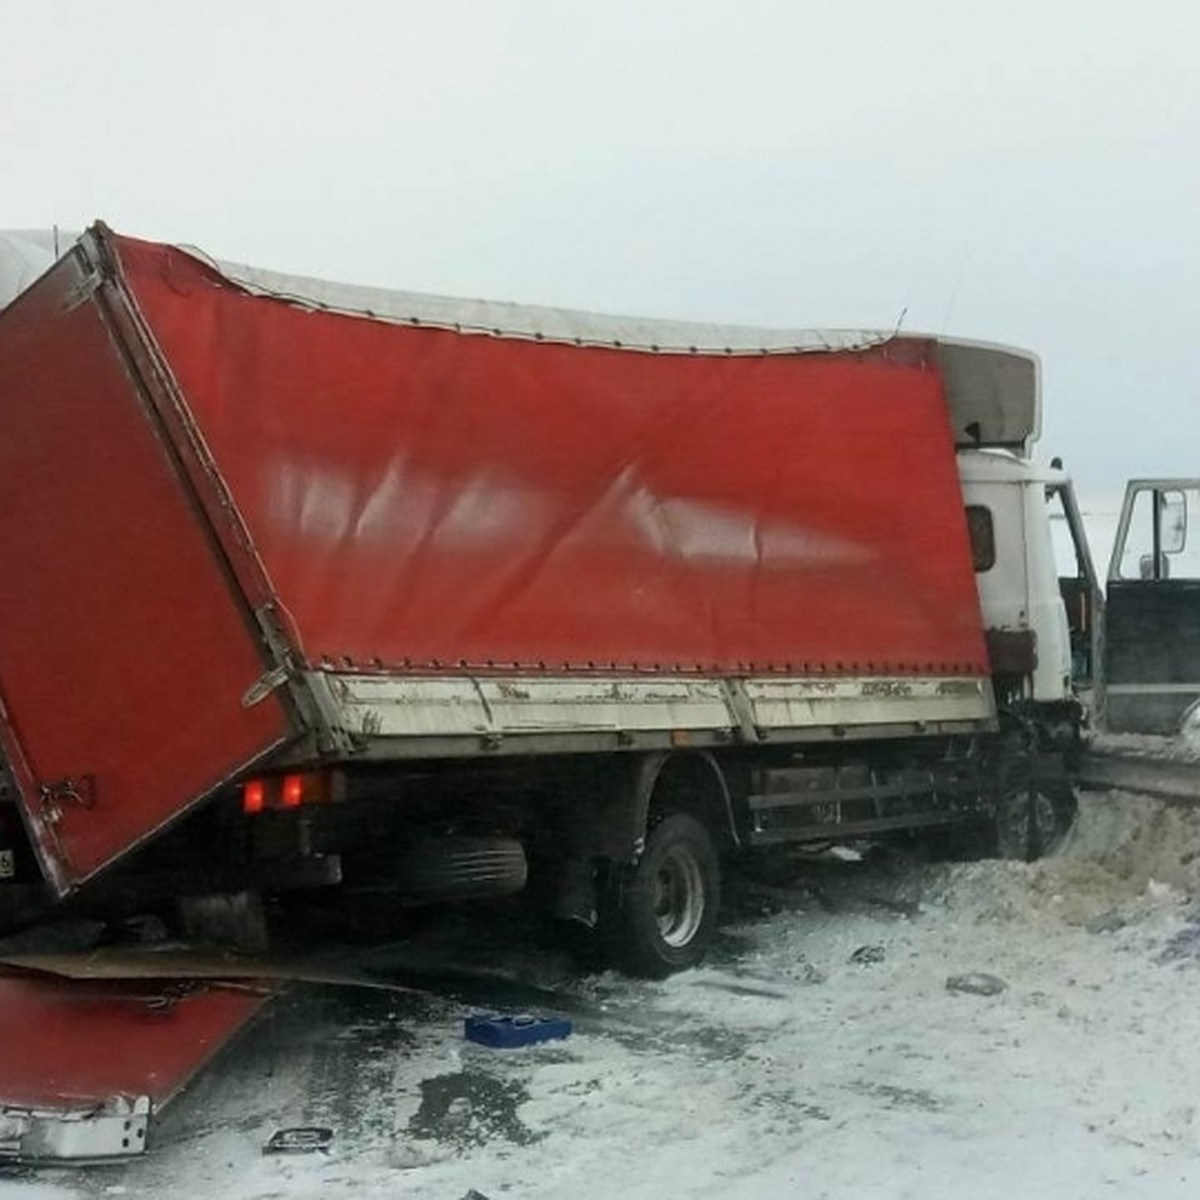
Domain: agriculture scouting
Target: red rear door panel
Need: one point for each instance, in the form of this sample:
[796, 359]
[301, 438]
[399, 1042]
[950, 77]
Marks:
[125, 650]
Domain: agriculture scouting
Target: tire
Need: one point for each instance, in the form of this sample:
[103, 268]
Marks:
[662, 913]
[440, 870]
[1033, 822]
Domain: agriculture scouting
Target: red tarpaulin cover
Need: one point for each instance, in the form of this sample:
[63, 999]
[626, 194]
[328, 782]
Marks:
[424, 499]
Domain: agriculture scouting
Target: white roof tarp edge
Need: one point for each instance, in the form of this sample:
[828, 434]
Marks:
[501, 319]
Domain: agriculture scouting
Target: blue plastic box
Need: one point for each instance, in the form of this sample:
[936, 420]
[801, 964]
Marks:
[504, 1032]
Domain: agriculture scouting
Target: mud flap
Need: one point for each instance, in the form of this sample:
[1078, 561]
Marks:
[86, 1065]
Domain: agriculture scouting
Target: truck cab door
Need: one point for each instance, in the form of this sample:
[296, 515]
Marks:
[1152, 656]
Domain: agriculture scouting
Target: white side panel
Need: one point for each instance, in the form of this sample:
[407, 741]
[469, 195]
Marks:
[412, 707]
[802, 703]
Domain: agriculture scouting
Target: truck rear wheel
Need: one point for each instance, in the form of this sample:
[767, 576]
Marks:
[664, 911]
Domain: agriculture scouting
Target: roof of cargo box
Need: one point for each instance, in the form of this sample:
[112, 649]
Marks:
[993, 391]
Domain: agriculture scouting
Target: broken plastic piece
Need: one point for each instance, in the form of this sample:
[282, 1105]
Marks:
[110, 1130]
[504, 1032]
[300, 1139]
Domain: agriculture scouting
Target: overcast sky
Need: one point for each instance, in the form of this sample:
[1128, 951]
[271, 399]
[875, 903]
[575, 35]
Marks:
[1025, 172]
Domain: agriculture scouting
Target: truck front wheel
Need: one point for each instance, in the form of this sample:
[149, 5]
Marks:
[664, 911]
[1034, 822]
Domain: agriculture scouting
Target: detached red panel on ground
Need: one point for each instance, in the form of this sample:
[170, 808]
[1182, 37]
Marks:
[68, 1043]
[424, 499]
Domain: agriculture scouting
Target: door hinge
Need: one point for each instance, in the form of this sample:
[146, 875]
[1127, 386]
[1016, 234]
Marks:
[83, 291]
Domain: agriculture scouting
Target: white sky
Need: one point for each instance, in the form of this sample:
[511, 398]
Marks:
[1026, 171]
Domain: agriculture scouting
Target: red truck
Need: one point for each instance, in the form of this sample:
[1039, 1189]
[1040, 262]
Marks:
[419, 599]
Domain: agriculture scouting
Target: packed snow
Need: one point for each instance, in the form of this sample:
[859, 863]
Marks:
[819, 1053]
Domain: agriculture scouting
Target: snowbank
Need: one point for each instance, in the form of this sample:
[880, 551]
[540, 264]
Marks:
[794, 1063]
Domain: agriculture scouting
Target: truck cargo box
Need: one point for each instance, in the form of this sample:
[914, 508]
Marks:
[242, 517]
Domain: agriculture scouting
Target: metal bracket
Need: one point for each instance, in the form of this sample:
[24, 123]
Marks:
[741, 709]
[83, 290]
[308, 690]
[268, 682]
[114, 1130]
[76, 792]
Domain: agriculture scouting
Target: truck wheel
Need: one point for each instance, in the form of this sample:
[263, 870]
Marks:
[1034, 822]
[666, 906]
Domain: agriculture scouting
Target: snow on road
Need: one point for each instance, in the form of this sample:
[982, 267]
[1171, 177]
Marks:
[819, 1054]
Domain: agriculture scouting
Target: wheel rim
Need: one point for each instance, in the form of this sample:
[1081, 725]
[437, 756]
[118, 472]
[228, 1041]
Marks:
[679, 897]
[1015, 832]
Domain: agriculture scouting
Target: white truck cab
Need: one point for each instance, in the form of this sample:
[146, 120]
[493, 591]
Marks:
[1044, 633]
[1024, 615]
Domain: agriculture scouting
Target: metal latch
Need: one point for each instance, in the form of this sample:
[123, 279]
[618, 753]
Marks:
[264, 686]
[74, 791]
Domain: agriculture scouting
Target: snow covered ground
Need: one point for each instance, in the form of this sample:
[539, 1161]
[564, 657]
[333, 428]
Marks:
[819, 1054]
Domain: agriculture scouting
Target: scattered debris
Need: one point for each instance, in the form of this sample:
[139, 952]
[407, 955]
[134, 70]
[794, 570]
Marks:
[976, 983]
[300, 1139]
[1182, 945]
[844, 854]
[865, 956]
[1107, 922]
[809, 975]
[505, 1032]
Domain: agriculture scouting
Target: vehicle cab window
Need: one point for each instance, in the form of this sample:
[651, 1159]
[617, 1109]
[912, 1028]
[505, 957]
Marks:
[982, 533]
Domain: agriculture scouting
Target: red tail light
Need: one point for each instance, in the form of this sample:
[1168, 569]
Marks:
[291, 791]
[254, 796]
[291, 795]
